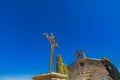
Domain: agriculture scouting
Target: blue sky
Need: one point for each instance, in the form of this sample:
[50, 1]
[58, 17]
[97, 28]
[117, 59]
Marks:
[90, 25]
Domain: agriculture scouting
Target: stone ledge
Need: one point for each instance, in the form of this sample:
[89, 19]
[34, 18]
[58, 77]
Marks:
[50, 75]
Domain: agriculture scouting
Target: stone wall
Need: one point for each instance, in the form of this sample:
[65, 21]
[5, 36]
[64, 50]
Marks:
[88, 69]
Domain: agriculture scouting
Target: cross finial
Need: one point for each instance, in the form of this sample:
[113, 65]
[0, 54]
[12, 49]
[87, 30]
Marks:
[52, 45]
[51, 39]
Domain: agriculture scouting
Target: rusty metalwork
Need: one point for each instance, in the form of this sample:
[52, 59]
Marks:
[52, 45]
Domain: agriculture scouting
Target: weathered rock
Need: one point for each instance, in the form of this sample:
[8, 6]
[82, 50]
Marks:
[87, 69]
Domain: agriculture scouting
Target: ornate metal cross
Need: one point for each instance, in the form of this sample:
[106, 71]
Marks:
[52, 45]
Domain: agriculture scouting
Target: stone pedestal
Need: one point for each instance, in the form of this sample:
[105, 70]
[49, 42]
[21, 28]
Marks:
[50, 76]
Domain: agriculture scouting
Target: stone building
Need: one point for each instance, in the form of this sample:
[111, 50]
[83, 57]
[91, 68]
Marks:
[82, 69]
[87, 68]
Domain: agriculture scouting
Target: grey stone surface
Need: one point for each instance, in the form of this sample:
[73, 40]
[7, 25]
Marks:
[88, 69]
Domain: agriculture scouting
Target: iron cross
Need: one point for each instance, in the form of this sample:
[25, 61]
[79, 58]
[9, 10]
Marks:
[52, 45]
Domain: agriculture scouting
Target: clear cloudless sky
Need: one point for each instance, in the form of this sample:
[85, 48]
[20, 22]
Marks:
[89, 25]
